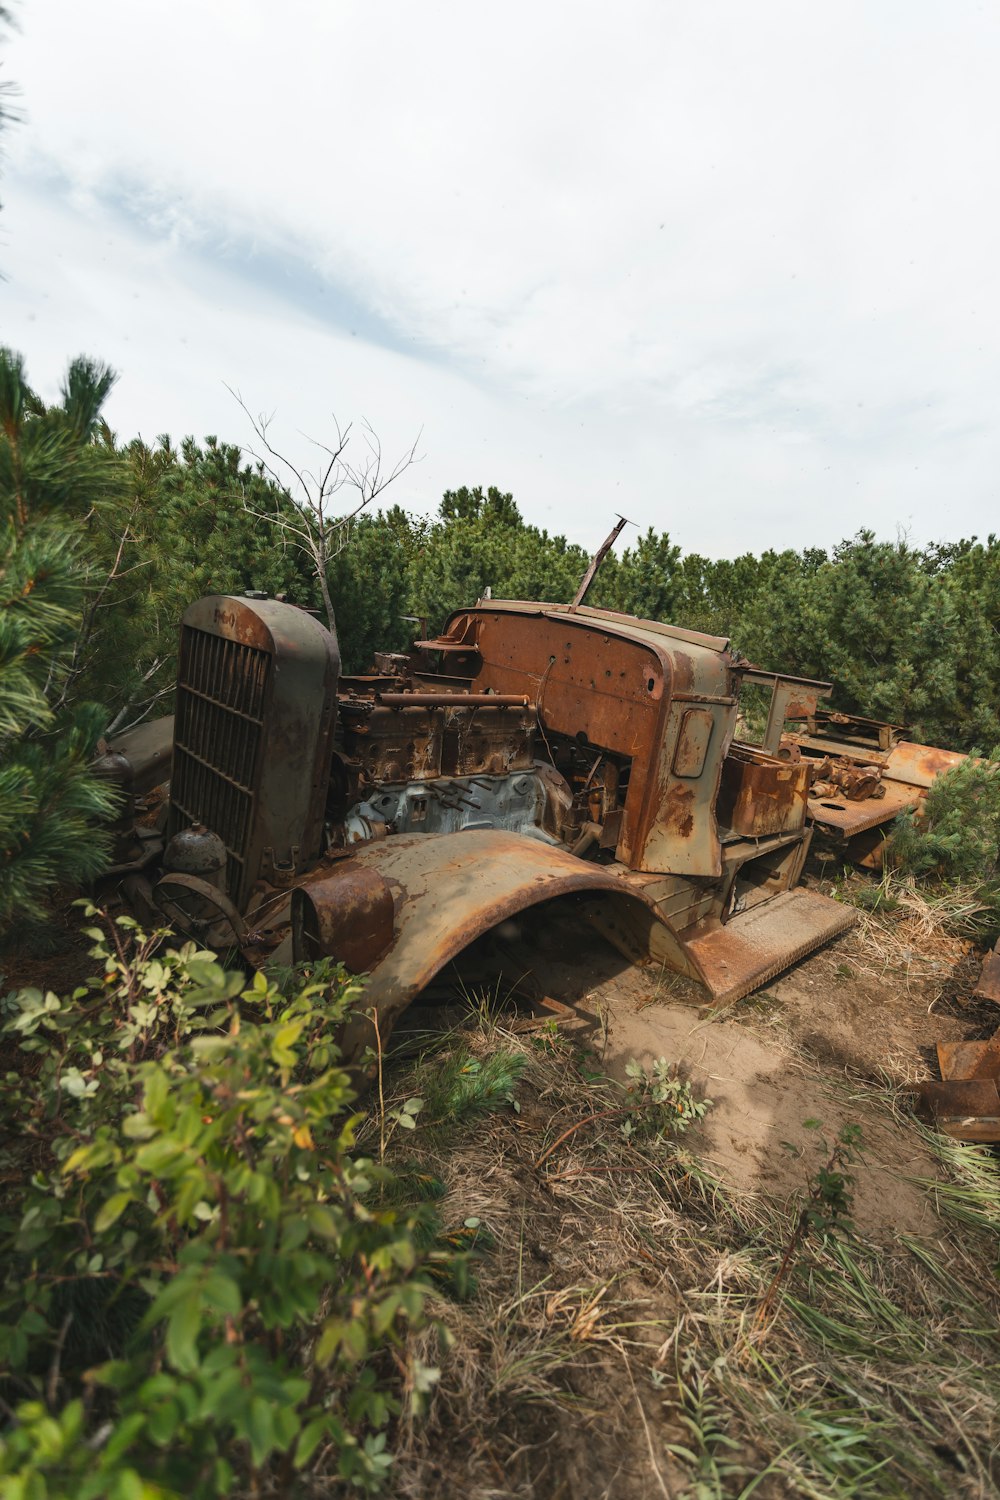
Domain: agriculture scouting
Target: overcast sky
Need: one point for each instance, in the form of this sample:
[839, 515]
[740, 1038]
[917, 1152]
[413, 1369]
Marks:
[732, 269]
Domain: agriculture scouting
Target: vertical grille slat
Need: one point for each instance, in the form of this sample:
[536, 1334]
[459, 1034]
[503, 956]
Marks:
[221, 692]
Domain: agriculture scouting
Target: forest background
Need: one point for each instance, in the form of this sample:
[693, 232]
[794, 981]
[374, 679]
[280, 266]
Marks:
[106, 541]
[905, 633]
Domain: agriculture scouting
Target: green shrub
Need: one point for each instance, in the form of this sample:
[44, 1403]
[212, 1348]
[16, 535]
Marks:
[663, 1103]
[202, 1281]
[955, 836]
[55, 475]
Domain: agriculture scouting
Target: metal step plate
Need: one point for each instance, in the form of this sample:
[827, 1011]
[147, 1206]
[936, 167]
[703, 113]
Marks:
[760, 943]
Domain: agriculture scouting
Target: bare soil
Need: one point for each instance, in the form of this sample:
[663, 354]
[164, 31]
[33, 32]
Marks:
[597, 1262]
[801, 1049]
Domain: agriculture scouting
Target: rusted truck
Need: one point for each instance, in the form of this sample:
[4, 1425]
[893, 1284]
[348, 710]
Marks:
[531, 753]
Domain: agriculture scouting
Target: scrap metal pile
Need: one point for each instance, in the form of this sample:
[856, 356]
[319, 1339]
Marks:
[966, 1103]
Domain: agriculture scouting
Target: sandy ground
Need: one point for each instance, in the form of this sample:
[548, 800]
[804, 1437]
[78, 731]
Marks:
[856, 1012]
[835, 1040]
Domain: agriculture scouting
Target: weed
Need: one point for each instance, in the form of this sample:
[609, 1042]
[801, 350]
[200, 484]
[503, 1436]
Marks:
[460, 1086]
[664, 1102]
[875, 897]
[827, 1207]
[706, 1418]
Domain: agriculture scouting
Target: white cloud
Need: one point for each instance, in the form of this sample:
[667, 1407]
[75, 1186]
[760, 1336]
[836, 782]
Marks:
[728, 268]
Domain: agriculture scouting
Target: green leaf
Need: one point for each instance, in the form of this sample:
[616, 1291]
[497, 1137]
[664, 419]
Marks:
[126, 1431]
[323, 1222]
[111, 1211]
[183, 1329]
[223, 1293]
[260, 1429]
[310, 1438]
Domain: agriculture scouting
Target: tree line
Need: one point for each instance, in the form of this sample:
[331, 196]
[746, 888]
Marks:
[104, 542]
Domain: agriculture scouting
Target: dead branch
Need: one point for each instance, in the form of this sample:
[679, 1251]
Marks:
[317, 533]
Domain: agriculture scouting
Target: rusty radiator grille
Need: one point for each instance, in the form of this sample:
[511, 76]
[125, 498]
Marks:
[221, 693]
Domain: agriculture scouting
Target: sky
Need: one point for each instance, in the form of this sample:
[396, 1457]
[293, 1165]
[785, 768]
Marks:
[728, 269]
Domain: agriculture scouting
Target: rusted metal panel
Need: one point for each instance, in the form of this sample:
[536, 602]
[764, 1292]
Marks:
[623, 686]
[755, 946]
[873, 787]
[966, 1103]
[967, 1109]
[447, 890]
[626, 626]
[836, 814]
[683, 830]
[920, 765]
[350, 914]
[761, 795]
[988, 985]
[693, 740]
[960, 1060]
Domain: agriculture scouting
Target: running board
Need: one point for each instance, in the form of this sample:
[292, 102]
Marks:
[759, 944]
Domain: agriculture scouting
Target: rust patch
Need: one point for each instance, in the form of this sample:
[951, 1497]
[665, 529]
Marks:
[348, 916]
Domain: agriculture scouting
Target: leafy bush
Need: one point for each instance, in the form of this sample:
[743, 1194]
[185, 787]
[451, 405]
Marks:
[955, 835]
[202, 1279]
[664, 1103]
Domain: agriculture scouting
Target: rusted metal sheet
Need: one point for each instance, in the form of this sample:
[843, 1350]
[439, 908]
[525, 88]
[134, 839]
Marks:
[898, 778]
[350, 915]
[760, 794]
[693, 741]
[966, 1103]
[625, 687]
[967, 1109]
[969, 1059]
[838, 815]
[759, 944]
[988, 985]
[920, 765]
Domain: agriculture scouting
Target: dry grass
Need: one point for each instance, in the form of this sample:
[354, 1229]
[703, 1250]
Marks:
[612, 1345]
[906, 929]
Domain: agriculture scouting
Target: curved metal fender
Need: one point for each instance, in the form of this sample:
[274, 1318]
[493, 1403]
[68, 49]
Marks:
[447, 890]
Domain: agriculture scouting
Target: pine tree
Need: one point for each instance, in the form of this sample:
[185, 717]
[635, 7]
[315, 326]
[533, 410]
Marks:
[52, 477]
